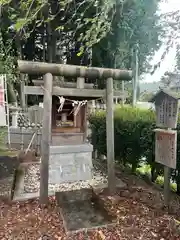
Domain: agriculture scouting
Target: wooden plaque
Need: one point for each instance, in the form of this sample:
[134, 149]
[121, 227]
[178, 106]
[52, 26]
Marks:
[167, 113]
[166, 147]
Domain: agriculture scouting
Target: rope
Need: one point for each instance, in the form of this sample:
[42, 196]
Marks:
[74, 102]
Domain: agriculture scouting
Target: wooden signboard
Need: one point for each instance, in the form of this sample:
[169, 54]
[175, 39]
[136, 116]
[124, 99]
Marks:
[167, 113]
[166, 147]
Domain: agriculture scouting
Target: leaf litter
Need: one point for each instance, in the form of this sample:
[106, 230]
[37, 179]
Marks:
[138, 208]
[27, 220]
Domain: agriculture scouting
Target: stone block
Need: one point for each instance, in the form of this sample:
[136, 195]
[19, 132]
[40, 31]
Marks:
[83, 210]
[70, 163]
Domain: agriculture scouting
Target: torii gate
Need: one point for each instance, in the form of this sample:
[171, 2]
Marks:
[48, 70]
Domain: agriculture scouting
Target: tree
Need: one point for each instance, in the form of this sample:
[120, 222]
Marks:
[93, 32]
[170, 79]
[7, 67]
[146, 96]
[53, 30]
[134, 22]
[71, 22]
[170, 23]
[113, 26]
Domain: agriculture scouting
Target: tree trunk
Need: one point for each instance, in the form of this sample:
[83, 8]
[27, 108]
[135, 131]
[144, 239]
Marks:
[12, 98]
[49, 43]
[153, 173]
[134, 167]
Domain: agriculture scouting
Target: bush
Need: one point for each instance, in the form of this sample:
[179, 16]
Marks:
[134, 138]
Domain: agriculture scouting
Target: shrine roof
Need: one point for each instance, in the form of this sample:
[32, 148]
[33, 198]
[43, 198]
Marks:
[167, 92]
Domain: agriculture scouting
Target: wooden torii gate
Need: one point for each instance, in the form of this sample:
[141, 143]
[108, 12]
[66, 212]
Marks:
[48, 70]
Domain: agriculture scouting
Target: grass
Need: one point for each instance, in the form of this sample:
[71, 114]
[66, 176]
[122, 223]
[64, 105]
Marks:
[145, 170]
[4, 151]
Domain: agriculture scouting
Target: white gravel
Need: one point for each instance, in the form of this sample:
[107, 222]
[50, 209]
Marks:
[32, 181]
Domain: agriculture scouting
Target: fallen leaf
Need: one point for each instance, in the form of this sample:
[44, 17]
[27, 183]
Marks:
[101, 235]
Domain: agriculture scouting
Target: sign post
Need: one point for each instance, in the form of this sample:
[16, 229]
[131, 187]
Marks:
[167, 106]
[165, 154]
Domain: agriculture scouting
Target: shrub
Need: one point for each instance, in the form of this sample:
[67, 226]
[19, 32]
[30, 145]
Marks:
[134, 137]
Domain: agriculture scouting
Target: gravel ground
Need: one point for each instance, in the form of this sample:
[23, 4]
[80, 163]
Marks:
[32, 181]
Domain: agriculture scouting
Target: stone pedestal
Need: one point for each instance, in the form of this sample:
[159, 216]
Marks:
[70, 163]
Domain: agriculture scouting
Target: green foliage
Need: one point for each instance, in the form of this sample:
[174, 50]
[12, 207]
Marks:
[6, 60]
[146, 96]
[133, 133]
[170, 80]
[92, 32]
[171, 27]
[134, 22]
[109, 28]
[86, 21]
[134, 139]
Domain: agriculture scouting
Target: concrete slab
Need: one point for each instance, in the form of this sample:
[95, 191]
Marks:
[19, 194]
[82, 210]
[19, 185]
[28, 196]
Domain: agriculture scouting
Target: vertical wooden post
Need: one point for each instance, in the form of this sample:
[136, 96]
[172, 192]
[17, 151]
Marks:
[85, 126]
[136, 77]
[93, 107]
[14, 118]
[167, 176]
[167, 171]
[22, 138]
[80, 82]
[110, 135]
[46, 138]
[123, 97]
[36, 129]
[23, 100]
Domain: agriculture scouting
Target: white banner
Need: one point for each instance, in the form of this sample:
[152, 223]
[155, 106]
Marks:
[2, 103]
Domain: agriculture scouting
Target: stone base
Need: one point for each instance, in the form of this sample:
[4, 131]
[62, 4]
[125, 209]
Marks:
[70, 163]
[82, 210]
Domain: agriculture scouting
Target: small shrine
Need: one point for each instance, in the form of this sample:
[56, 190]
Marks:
[167, 107]
[65, 109]
[167, 110]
